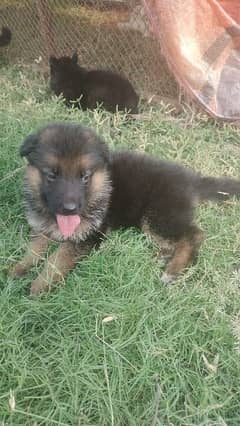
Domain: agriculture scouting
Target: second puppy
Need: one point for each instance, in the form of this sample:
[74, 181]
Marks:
[93, 88]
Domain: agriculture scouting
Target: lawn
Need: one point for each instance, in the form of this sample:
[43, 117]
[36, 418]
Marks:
[114, 345]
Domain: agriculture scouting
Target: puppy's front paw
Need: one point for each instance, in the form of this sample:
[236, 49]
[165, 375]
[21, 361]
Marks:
[163, 259]
[167, 278]
[18, 270]
[37, 287]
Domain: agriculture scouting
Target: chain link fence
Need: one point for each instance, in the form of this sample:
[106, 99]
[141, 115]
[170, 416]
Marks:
[110, 34]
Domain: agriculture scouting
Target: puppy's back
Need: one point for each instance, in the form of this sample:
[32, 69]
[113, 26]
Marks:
[143, 186]
[110, 89]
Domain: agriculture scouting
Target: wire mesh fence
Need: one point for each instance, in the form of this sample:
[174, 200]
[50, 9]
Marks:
[110, 34]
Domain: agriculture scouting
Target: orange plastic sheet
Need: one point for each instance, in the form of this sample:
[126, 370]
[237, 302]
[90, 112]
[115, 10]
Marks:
[201, 41]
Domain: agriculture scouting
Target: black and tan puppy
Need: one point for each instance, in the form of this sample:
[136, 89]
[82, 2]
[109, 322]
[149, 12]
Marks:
[76, 191]
[5, 36]
[91, 87]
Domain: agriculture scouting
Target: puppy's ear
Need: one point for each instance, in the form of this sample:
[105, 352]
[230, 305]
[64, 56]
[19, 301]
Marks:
[75, 57]
[52, 60]
[105, 152]
[29, 146]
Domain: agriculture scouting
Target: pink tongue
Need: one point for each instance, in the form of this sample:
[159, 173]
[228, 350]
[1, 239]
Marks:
[68, 224]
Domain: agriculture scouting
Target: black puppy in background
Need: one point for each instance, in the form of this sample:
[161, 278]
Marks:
[93, 87]
[5, 36]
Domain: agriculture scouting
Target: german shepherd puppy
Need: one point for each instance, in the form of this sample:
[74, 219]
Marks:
[5, 36]
[91, 88]
[76, 191]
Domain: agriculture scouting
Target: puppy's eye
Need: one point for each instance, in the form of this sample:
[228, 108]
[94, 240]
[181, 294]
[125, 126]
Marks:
[51, 176]
[85, 176]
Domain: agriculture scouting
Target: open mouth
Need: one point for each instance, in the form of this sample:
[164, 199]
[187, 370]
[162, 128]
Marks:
[68, 224]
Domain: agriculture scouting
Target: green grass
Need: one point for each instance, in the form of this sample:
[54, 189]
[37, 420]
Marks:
[170, 355]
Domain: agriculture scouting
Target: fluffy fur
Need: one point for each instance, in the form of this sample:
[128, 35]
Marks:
[5, 36]
[93, 87]
[71, 172]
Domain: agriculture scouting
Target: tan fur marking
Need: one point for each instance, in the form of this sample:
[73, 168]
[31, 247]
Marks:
[62, 261]
[52, 160]
[98, 180]
[85, 161]
[184, 252]
[74, 166]
[181, 258]
[34, 177]
[166, 247]
[36, 249]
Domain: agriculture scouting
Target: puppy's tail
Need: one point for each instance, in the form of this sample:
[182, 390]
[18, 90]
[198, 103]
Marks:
[5, 36]
[217, 189]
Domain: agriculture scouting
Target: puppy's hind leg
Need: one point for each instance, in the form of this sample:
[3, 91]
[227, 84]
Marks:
[165, 246]
[186, 249]
[37, 248]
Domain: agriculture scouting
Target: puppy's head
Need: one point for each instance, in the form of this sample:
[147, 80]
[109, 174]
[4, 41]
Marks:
[67, 174]
[61, 71]
[65, 62]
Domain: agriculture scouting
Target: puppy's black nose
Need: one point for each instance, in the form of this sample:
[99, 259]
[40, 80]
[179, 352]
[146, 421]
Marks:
[69, 208]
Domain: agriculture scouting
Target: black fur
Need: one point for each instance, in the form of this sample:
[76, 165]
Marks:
[133, 190]
[5, 36]
[220, 189]
[162, 192]
[29, 147]
[107, 88]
